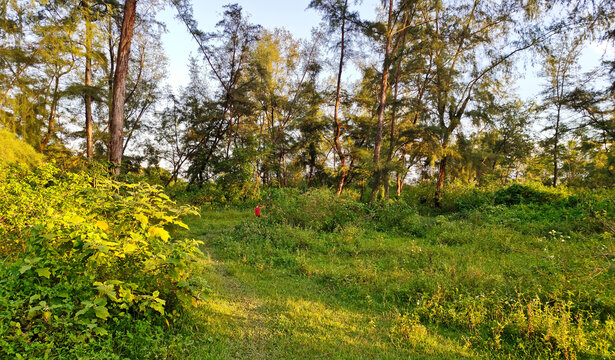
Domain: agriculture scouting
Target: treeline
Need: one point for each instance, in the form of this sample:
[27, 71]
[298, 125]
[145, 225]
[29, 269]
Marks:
[434, 100]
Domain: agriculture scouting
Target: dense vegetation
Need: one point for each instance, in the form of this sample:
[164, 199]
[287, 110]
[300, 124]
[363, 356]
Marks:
[523, 272]
[88, 264]
[415, 203]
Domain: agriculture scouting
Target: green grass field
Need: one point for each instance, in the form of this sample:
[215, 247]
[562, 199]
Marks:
[503, 282]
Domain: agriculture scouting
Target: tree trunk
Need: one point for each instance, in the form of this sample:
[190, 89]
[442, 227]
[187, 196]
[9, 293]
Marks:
[382, 99]
[116, 126]
[556, 143]
[52, 114]
[392, 133]
[400, 179]
[284, 174]
[88, 83]
[111, 71]
[362, 190]
[440, 183]
[338, 128]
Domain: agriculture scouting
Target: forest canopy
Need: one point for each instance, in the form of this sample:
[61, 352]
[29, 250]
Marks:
[434, 97]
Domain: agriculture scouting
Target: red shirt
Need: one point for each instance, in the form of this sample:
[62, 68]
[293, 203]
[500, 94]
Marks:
[257, 211]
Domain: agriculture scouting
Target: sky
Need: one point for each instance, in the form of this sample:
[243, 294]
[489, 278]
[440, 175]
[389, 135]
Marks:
[291, 15]
[294, 16]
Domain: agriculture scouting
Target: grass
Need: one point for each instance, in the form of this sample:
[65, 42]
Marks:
[499, 282]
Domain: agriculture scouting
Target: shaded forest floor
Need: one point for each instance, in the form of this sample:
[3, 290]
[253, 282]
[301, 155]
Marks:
[476, 285]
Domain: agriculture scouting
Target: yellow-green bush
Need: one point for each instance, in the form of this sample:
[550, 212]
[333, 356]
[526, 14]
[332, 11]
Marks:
[13, 150]
[82, 255]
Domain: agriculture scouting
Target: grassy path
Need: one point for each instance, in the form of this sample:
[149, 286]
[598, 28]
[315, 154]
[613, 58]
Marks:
[264, 312]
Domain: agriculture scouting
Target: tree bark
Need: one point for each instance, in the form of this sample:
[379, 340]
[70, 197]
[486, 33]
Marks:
[338, 128]
[392, 133]
[88, 83]
[116, 125]
[52, 114]
[556, 143]
[440, 183]
[400, 179]
[382, 99]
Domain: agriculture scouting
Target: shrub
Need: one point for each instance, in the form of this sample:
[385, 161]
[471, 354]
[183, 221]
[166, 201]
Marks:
[85, 250]
[527, 194]
[318, 209]
[13, 150]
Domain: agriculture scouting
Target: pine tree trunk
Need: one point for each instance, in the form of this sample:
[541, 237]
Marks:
[392, 133]
[382, 99]
[52, 114]
[555, 145]
[400, 178]
[440, 183]
[338, 128]
[116, 126]
[88, 83]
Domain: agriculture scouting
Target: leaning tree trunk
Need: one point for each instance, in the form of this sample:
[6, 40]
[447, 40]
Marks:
[52, 114]
[116, 125]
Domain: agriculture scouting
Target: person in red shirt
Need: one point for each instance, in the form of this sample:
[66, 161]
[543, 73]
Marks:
[257, 211]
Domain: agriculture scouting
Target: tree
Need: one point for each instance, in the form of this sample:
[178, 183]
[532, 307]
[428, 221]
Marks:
[116, 121]
[560, 66]
[227, 53]
[391, 35]
[461, 34]
[337, 13]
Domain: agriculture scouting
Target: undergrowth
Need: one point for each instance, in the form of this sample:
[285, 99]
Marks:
[89, 265]
[518, 272]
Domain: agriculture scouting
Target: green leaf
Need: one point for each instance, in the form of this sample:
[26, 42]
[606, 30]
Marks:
[81, 312]
[101, 301]
[158, 307]
[25, 268]
[100, 331]
[101, 312]
[43, 272]
[107, 290]
[33, 261]
[33, 311]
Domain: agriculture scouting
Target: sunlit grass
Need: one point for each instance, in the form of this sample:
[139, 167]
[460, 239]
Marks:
[441, 292]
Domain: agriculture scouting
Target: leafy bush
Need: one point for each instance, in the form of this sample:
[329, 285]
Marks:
[400, 216]
[153, 175]
[13, 150]
[85, 253]
[318, 209]
[526, 194]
